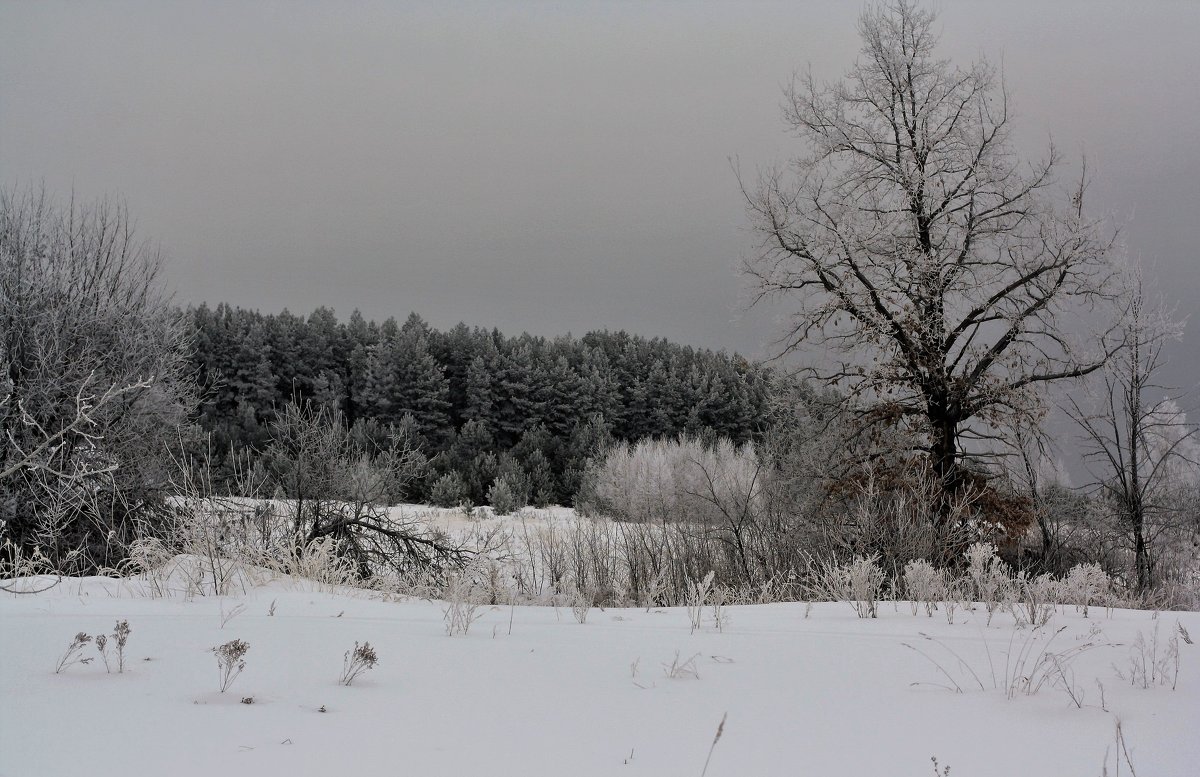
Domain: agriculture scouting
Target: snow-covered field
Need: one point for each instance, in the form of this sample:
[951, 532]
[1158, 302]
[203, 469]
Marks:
[529, 691]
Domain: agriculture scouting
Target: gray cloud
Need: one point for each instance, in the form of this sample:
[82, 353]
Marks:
[537, 166]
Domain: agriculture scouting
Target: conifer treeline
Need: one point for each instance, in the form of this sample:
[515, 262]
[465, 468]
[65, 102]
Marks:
[483, 406]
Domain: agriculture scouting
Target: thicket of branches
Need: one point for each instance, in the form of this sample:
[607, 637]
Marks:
[96, 382]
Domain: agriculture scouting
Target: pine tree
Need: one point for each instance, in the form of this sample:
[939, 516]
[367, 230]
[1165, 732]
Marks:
[360, 338]
[479, 399]
[403, 378]
[565, 398]
[455, 351]
[517, 407]
[598, 385]
[251, 378]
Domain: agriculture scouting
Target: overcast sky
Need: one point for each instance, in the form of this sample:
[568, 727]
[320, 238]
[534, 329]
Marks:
[538, 166]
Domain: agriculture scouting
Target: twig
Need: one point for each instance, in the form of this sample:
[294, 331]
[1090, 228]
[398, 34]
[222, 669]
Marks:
[713, 746]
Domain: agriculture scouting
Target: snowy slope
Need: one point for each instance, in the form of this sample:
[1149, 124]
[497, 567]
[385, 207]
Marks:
[824, 695]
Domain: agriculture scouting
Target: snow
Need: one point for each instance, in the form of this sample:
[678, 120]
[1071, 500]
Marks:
[823, 694]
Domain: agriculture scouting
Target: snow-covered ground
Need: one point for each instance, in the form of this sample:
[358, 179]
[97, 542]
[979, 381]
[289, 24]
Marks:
[529, 691]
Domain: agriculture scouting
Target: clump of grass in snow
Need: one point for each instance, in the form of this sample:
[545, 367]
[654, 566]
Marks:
[230, 661]
[461, 609]
[230, 614]
[357, 661]
[120, 637]
[74, 654]
[680, 669]
[1122, 751]
[1035, 600]
[581, 604]
[1153, 662]
[696, 598]
[720, 610]
[1028, 666]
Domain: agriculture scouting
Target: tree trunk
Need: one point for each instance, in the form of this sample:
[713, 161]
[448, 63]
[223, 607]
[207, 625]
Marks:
[1141, 557]
[943, 451]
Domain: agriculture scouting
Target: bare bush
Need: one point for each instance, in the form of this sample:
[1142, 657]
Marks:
[1034, 599]
[1084, 585]
[665, 480]
[340, 487]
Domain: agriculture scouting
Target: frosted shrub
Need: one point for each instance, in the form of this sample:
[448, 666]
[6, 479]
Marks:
[866, 584]
[720, 613]
[697, 598]
[1084, 585]
[674, 479]
[1034, 599]
[858, 583]
[989, 581]
[829, 583]
[149, 557]
[230, 661]
[319, 563]
[581, 604]
[952, 595]
[923, 584]
[462, 607]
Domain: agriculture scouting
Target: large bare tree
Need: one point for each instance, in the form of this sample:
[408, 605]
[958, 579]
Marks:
[936, 275]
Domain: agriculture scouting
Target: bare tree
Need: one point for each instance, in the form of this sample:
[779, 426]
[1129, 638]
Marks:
[95, 375]
[339, 487]
[1137, 438]
[933, 266]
